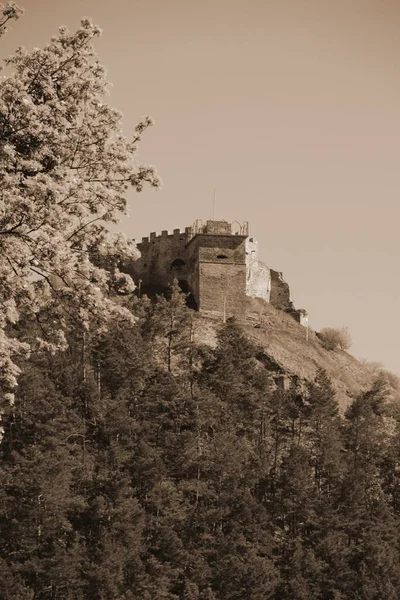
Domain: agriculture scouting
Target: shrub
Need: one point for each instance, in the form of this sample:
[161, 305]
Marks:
[335, 338]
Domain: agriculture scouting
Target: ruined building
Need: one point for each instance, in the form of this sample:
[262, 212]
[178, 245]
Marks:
[217, 264]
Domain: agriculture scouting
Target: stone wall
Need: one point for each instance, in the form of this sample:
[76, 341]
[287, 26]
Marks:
[280, 291]
[218, 227]
[163, 258]
[211, 266]
[221, 285]
[218, 266]
[221, 290]
[300, 315]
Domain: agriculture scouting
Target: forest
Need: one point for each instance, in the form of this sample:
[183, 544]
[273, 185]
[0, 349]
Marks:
[139, 465]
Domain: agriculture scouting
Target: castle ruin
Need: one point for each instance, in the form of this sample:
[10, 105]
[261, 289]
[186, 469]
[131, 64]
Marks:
[216, 263]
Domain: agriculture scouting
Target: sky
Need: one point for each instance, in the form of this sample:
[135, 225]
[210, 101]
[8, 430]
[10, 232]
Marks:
[290, 109]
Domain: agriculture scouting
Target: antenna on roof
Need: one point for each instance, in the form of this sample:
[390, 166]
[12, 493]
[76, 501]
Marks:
[214, 203]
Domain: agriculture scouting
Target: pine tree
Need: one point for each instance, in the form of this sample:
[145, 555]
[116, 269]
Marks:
[229, 525]
[40, 452]
[370, 522]
[323, 433]
[169, 327]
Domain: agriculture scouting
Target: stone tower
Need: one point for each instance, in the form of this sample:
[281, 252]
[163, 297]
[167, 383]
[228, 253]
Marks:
[215, 262]
[218, 280]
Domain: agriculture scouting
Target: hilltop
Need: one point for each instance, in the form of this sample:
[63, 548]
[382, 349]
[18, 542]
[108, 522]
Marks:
[293, 353]
[216, 264]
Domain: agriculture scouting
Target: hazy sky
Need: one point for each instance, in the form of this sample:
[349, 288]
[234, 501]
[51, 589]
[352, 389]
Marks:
[291, 110]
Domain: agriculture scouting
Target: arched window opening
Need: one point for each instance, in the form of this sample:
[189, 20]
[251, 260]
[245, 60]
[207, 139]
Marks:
[236, 228]
[178, 263]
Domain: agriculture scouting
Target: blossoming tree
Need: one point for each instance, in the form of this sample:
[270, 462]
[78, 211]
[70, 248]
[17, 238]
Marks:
[65, 167]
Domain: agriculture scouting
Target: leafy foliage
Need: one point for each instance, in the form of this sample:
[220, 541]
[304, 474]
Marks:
[65, 167]
[335, 338]
[8, 13]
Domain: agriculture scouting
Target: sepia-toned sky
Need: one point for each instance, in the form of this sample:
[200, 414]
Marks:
[291, 110]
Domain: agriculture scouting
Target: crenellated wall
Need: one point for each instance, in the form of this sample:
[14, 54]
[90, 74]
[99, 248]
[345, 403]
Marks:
[217, 263]
[163, 258]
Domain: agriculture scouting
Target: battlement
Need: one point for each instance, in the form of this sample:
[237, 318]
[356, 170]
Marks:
[184, 234]
[199, 227]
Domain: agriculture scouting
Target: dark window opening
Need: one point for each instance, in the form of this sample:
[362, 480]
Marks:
[183, 284]
[190, 299]
[191, 302]
[222, 256]
[177, 263]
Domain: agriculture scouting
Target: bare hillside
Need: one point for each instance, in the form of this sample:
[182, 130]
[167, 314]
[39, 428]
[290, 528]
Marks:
[285, 342]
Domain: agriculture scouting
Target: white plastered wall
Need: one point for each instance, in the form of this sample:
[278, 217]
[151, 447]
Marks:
[258, 277]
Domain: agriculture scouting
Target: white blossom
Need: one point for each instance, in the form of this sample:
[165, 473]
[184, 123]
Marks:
[65, 167]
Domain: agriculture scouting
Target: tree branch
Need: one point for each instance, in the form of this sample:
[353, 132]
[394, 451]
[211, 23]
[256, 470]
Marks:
[12, 230]
[85, 225]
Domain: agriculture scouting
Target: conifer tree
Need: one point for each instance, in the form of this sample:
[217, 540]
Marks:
[370, 522]
[169, 326]
[235, 388]
[323, 432]
[41, 450]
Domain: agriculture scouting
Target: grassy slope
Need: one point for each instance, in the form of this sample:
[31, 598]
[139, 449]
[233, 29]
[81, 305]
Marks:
[284, 340]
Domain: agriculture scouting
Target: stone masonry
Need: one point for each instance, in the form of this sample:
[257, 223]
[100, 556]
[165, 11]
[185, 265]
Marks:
[216, 263]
